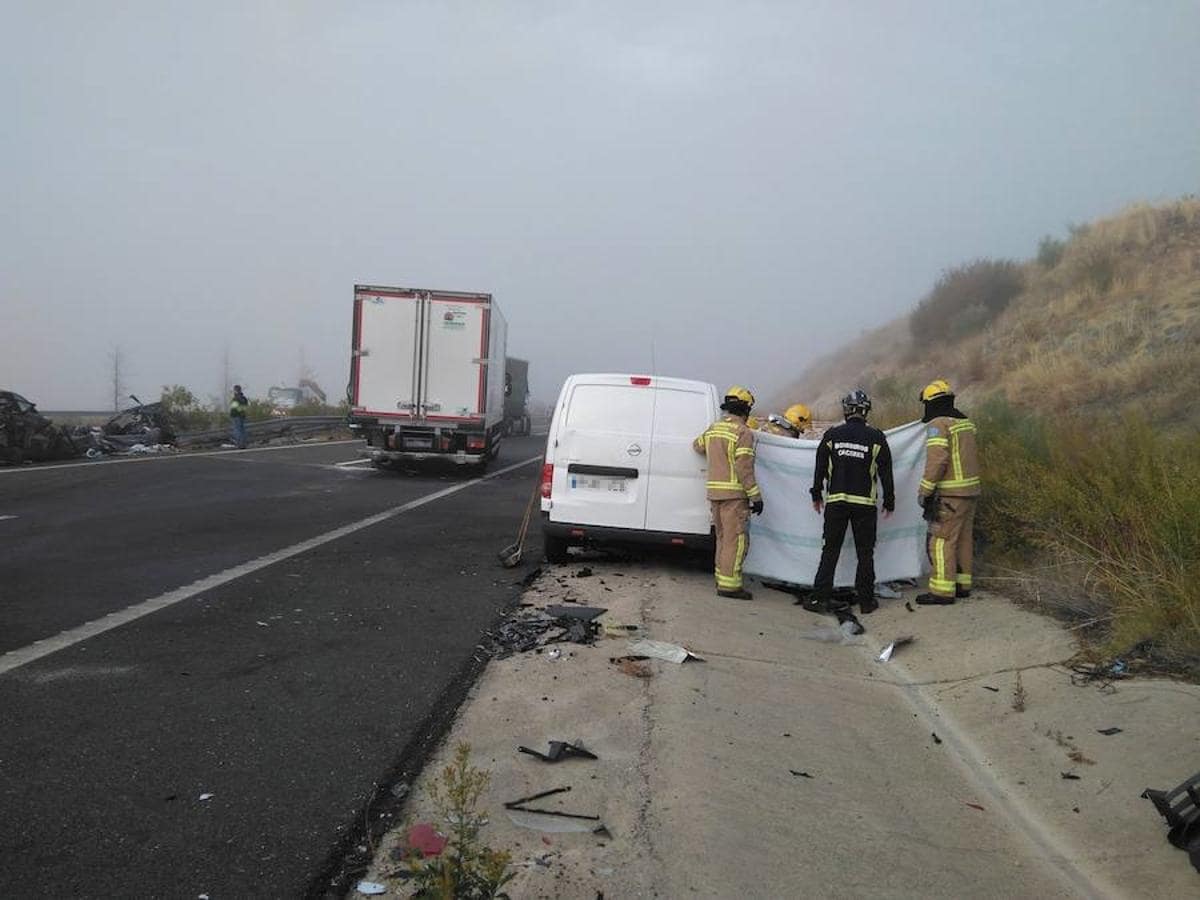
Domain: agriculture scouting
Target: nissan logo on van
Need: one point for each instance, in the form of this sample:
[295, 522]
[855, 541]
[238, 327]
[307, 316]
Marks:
[634, 450]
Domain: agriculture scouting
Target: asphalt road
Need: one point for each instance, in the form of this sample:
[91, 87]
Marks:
[285, 689]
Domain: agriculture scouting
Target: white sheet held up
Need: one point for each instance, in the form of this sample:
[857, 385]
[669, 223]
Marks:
[785, 541]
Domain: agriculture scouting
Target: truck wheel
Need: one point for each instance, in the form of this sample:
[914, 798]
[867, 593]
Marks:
[555, 549]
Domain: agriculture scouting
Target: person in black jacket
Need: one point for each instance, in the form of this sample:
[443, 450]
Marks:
[850, 458]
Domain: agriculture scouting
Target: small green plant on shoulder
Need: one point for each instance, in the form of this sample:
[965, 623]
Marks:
[464, 870]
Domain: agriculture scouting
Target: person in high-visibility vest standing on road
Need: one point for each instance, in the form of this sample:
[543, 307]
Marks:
[237, 416]
[733, 492]
[949, 493]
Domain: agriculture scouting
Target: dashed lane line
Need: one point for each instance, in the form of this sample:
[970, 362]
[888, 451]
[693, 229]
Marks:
[24, 655]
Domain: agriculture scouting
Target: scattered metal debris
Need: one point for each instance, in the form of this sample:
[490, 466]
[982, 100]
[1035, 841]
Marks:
[560, 750]
[1180, 806]
[1069, 776]
[675, 653]
[800, 774]
[521, 801]
[890, 650]
[528, 629]
[1109, 732]
[988, 687]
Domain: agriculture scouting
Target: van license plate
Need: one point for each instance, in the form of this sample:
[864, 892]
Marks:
[418, 443]
[610, 485]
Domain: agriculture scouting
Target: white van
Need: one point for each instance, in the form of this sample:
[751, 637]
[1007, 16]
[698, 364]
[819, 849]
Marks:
[620, 465]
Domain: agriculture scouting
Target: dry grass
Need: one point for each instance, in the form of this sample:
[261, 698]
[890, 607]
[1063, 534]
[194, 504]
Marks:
[1085, 388]
[1111, 328]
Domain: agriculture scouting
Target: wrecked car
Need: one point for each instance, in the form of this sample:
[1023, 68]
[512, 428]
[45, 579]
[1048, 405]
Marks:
[25, 434]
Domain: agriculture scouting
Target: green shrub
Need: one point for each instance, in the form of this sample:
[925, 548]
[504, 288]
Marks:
[1112, 514]
[1050, 251]
[465, 870]
[965, 299]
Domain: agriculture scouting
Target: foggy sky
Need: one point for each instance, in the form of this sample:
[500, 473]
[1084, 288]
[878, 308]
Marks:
[717, 190]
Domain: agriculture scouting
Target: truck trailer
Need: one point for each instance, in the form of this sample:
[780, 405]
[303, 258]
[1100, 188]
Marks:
[516, 396]
[427, 375]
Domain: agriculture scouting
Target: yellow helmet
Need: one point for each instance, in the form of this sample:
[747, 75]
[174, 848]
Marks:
[799, 415]
[740, 393]
[935, 389]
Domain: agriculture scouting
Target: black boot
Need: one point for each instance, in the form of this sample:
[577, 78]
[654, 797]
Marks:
[933, 600]
[961, 592]
[739, 594]
[868, 606]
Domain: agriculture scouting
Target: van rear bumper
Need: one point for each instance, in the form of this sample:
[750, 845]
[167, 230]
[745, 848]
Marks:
[580, 535]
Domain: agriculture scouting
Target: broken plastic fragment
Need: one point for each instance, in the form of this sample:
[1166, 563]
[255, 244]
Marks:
[675, 653]
[561, 750]
[425, 838]
[890, 650]
[204, 797]
[550, 824]
[371, 888]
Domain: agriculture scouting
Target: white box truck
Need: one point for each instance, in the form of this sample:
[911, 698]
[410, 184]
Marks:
[427, 374]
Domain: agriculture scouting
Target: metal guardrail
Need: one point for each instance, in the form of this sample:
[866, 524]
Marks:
[267, 427]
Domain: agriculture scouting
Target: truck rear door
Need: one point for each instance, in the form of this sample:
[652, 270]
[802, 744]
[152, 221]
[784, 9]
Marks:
[601, 456]
[387, 328]
[454, 375]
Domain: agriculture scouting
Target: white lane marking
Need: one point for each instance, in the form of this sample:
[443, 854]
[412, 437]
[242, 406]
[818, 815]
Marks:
[92, 464]
[353, 462]
[15, 658]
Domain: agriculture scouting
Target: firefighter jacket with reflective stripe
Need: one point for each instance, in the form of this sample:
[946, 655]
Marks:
[850, 459]
[951, 462]
[729, 445]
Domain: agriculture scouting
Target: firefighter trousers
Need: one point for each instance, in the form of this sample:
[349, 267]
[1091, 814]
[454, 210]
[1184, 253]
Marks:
[730, 520]
[862, 521]
[951, 547]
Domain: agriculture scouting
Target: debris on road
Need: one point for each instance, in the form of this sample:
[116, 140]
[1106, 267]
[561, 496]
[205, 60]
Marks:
[1180, 806]
[675, 653]
[886, 592]
[1108, 732]
[204, 797]
[890, 650]
[370, 888]
[426, 839]
[1077, 756]
[585, 572]
[528, 629]
[521, 801]
[800, 774]
[976, 806]
[936, 739]
[988, 687]
[550, 824]
[1069, 776]
[560, 750]
[831, 634]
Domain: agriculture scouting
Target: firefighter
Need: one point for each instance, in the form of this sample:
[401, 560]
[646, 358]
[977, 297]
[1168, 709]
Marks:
[732, 491]
[949, 493]
[850, 458]
[792, 423]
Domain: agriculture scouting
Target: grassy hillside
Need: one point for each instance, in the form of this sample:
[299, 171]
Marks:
[1082, 368]
[1106, 322]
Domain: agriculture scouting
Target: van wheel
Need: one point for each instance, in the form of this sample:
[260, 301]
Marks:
[555, 548]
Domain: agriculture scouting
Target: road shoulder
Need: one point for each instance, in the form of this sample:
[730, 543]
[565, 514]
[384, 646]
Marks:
[784, 764]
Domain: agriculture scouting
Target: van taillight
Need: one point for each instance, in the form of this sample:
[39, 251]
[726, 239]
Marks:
[547, 480]
[640, 380]
[476, 443]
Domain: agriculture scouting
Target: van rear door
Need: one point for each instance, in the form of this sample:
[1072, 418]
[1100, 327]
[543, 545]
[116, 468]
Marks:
[601, 455]
[676, 499]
